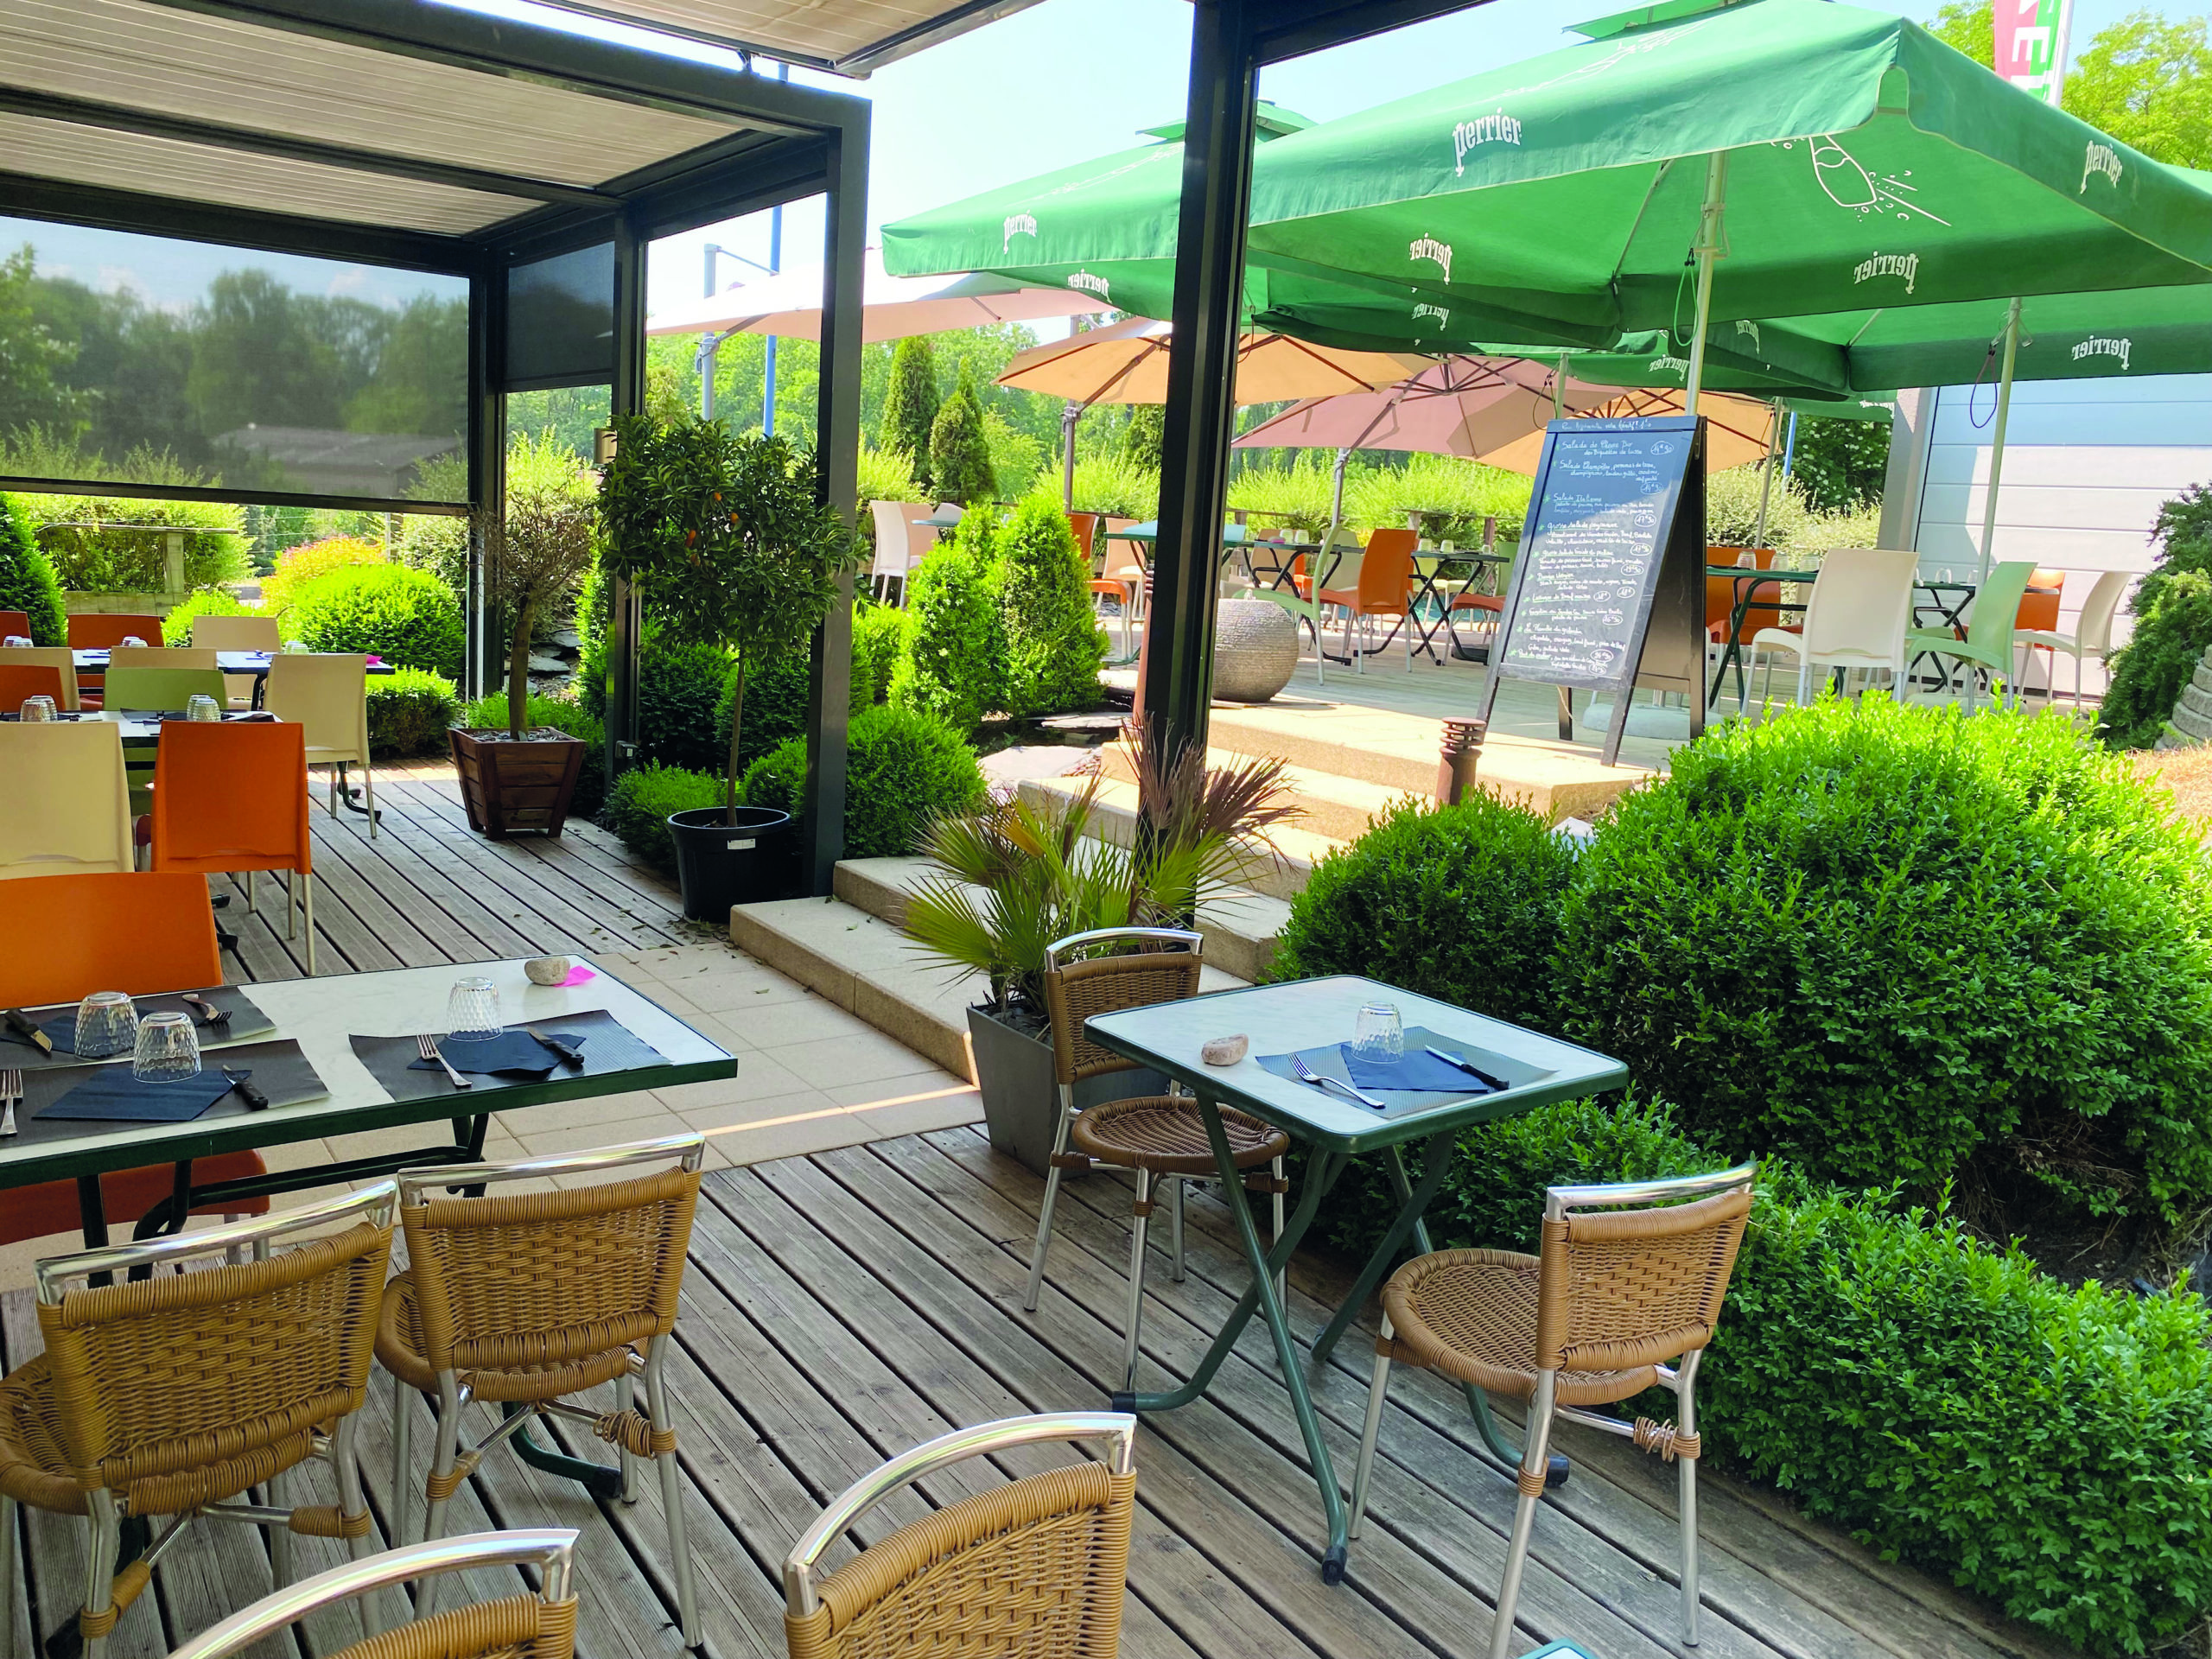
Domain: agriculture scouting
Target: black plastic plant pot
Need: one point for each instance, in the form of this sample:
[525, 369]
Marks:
[719, 864]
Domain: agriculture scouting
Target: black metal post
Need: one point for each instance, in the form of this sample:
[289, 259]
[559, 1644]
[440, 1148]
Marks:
[1201, 410]
[481, 667]
[838, 436]
[626, 618]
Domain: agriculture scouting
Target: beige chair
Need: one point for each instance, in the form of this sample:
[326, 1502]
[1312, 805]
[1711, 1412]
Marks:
[1120, 578]
[529, 1299]
[1618, 1297]
[58, 656]
[329, 695]
[1858, 617]
[523, 1625]
[2092, 635]
[900, 544]
[236, 633]
[182, 1393]
[1039, 1566]
[66, 806]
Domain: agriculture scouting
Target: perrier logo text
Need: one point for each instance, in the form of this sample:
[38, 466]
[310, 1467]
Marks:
[1438, 253]
[1497, 128]
[1906, 265]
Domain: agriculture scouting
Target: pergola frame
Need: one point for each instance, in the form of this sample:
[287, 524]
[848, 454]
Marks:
[797, 142]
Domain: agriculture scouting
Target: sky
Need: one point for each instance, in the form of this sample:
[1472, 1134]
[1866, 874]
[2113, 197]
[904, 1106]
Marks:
[1055, 85]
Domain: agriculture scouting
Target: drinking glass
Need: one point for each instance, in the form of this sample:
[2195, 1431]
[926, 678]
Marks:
[133, 639]
[169, 1049]
[107, 1023]
[1379, 1036]
[296, 647]
[17, 639]
[200, 706]
[39, 708]
[473, 1012]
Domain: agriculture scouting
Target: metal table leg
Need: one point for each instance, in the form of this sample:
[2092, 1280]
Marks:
[1260, 1297]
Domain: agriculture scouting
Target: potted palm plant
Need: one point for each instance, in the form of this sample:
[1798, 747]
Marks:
[1012, 878]
[726, 537]
[536, 551]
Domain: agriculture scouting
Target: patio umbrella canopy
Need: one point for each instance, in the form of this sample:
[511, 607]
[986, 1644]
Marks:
[1125, 362]
[789, 305]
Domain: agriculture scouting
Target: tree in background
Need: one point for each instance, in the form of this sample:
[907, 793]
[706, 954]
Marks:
[27, 580]
[2146, 79]
[2172, 608]
[1054, 644]
[1146, 430]
[910, 405]
[1841, 465]
[33, 392]
[960, 451]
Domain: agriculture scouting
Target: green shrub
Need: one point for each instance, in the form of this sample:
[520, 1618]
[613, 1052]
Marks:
[490, 713]
[409, 711]
[1053, 643]
[27, 580]
[298, 566]
[113, 559]
[679, 687]
[776, 694]
[2173, 626]
[902, 767]
[910, 407]
[1120, 486]
[176, 627]
[405, 616]
[879, 632]
[645, 797]
[437, 543]
[953, 665]
[960, 449]
[1461, 903]
[1887, 941]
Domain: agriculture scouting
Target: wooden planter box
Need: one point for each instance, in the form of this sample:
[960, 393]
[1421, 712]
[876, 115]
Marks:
[508, 785]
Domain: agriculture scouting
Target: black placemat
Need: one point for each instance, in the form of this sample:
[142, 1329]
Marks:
[109, 1093]
[58, 1022]
[609, 1048]
[280, 1070]
[513, 1053]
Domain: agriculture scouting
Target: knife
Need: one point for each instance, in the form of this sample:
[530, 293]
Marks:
[568, 1055]
[21, 1025]
[1471, 1069]
[254, 1099]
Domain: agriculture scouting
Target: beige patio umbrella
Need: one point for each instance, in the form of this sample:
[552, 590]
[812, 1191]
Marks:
[1738, 430]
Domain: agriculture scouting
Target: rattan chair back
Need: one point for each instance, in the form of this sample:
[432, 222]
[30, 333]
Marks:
[1076, 992]
[186, 1389]
[1621, 1287]
[1036, 1568]
[544, 1280]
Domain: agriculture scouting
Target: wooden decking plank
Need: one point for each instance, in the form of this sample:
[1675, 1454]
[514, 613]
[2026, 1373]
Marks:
[554, 915]
[1624, 1497]
[523, 910]
[261, 947]
[1204, 1608]
[1427, 1570]
[340, 876]
[425, 884]
[435, 935]
[1235, 1532]
[609, 872]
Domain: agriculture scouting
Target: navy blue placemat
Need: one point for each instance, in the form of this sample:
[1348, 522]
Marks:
[510, 1053]
[110, 1093]
[1422, 1071]
[607, 1047]
[277, 1068]
[1419, 1070]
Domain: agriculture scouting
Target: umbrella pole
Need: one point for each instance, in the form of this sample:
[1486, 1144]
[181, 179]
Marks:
[1997, 440]
[1766, 475]
[1318, 568]
[1559, 388]
[1707, 249]
[1069, 415]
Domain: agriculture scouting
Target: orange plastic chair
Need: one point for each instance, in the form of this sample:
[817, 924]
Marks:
[36, 680]
[233, 796]
[1085, 526]
[125, 1195]
[1386, 580]
[134, 931]
[15, 625]
[2039, 612]
[104, 633]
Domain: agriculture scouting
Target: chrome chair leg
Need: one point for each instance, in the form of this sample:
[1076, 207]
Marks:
[403, 1408]
[345, 1461]
[280, 1537]
[104, 1542]
[1534, 1458]
[10, 1575]
[1282, 1275]
[444, 1466]
[1378, 1390]
[1686, 1422]
[1052, 1195]
[671, 1489]
[1175, 1184]
[1135, 1315]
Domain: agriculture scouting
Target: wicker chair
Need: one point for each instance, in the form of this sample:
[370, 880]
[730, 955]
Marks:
[1037, 1567]
[1158, 1136]
[520, 1626]
[521, 1301]
[1617, 1294]
[177, 1393]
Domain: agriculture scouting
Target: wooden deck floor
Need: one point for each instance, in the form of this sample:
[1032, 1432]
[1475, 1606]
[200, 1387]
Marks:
[843, 1307]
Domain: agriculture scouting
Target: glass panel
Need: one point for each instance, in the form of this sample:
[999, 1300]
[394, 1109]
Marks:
[143, 359]
[561, 320]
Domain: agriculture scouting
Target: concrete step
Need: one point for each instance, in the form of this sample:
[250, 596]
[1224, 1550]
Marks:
[1329, 804]
[2191, 724]
[866, 966]
[1240, 929]
[1115, 816]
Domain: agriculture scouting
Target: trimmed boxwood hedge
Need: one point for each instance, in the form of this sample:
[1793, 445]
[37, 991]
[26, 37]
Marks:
[645, 797]
[902, 767]
[405, 616]
[409, 711]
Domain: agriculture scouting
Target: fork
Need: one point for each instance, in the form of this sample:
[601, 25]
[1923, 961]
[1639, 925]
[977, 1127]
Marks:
[1307, 1074]
[428, 1045]
[210, 1014]
[12, 1090]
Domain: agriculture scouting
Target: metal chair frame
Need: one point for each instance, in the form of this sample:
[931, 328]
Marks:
[55, 1276]
[1119, 1428]
[648, 1368]
[1544, 1408]
[549, 1549]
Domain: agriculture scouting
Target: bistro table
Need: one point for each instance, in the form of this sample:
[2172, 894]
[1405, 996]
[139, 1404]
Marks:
[1747, 585]
[322, 1015]
[1303, 1014]
[1431, 582]
[252, 662]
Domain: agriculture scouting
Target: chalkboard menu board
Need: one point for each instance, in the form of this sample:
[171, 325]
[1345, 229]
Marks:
[1608, 591]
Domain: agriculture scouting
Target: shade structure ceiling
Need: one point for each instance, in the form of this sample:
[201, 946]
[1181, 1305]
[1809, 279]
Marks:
[201, 105]
[849, 36]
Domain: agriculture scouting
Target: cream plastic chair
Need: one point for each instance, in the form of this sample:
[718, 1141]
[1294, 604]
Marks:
[1120, 565]
[59, 657]
[67, 807]
[900, 544]
[329, 695]
[2092, 635]
[1860, 609]
[236, 633]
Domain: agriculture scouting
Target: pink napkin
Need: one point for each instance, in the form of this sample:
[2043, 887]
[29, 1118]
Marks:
[375, 661]
[578, 974]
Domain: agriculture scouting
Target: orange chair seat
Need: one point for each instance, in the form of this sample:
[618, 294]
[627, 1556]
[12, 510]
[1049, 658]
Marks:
[126, 1194]
[15, 625]
[1478, 602]
[17, 685]
[1348, 598]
